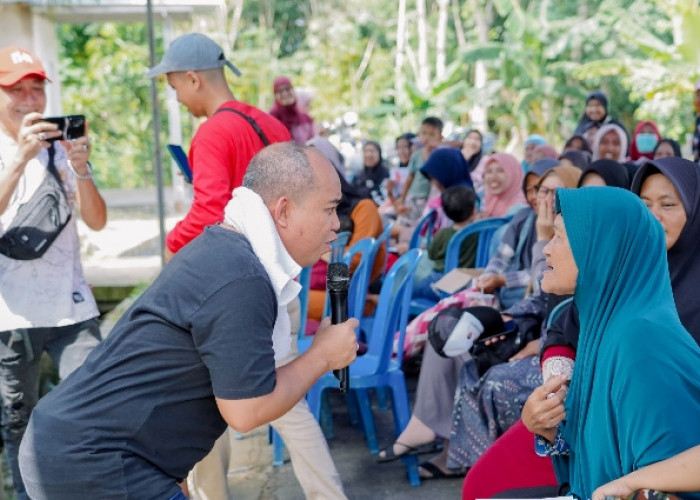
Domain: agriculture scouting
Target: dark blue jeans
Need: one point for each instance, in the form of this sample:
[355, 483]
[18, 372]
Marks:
[20, 354]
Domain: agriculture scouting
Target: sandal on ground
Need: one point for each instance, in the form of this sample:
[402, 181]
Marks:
[437, 473]
[390, 456]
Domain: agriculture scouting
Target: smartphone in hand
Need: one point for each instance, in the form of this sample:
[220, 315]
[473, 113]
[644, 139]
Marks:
[71, 126]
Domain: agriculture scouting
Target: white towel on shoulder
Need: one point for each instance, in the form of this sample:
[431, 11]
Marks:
[248, 214]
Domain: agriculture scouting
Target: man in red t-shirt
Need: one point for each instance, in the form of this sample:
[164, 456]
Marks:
[225, 143]
[219, 155]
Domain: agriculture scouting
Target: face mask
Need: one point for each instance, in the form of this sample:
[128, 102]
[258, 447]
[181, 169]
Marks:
[646, 142]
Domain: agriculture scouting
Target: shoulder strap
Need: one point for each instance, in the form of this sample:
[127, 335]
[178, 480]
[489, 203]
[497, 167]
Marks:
[51, 166]
[252, 123]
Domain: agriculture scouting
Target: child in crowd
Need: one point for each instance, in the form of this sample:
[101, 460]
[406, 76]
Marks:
[397, 174]
[416, 189]
[459, 205]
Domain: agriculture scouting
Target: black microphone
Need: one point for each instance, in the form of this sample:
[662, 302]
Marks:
[338, 283]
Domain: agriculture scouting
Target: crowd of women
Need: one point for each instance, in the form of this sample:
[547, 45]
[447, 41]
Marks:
[604, 385]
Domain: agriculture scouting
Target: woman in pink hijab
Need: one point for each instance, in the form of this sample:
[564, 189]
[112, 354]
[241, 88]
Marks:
[503, 181]
[286, 110]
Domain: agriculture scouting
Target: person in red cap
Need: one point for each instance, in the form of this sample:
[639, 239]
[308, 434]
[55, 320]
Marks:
[45, 303]
[287, 109]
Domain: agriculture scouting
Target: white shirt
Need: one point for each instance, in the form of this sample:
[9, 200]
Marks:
[49, 291]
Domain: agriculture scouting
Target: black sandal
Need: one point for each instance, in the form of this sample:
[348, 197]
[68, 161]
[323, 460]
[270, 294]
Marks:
[390, 456]
[437, 473]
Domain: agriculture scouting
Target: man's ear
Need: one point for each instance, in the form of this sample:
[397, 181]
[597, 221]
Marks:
[280, 211]
[194, 79]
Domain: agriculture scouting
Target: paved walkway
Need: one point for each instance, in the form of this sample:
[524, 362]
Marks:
[252, 477]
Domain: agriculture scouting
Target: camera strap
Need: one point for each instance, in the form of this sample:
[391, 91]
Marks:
[252, 123]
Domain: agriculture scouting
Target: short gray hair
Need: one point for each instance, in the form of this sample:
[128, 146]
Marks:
[281, 169]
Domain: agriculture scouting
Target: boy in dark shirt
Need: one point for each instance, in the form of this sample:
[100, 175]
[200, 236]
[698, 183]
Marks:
[459, 204]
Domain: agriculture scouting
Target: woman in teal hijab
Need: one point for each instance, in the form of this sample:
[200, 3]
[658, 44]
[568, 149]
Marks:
[634, 397]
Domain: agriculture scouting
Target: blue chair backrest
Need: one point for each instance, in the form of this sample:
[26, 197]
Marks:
[338, 246]
[392, 309]
[337, 255]
[383, 239]
[358, 278]
[305, 282]
[423, 233]
[485, 229]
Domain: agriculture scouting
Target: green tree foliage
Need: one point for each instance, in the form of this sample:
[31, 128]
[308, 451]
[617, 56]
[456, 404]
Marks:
[541, 59]
[102, 68]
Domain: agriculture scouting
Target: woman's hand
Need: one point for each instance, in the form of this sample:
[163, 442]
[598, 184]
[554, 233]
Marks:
[618, 488]
[489, 282]
[542, 412]
[545, 219]
[532, 348]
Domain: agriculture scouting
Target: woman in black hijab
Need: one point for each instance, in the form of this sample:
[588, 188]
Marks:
[667, 148]
[605, 173]
[683, 262]
[375, 173]
[596, 114]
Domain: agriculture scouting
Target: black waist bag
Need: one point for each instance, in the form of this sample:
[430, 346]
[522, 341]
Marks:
[40, 220]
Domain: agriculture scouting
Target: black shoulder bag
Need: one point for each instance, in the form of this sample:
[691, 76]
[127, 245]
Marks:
[252, 123]
[40, 220]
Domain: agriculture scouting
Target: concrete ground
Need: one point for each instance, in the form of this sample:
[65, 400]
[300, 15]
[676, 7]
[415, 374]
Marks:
[252, 476]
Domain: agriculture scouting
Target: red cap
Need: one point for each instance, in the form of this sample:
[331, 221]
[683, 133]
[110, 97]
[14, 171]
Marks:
[17, 63]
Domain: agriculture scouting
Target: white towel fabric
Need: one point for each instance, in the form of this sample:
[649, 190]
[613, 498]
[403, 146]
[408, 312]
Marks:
[248, 214]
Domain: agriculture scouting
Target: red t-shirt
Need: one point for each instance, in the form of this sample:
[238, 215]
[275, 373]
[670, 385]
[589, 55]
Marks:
[219, 155]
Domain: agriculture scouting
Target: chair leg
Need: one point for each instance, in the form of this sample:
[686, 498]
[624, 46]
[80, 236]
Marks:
[277, 448]
[412, 470]
[402, 413]
[382, 398]
[353, 411]
[368, 420]
[402, 409]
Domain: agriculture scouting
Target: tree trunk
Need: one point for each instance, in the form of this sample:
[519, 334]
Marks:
[440, 36]
[237, 9]
[459, 29]
[479, 114]
[400, 56]
[423, 68]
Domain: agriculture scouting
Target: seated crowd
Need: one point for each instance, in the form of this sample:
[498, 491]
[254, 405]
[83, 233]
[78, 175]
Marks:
[575, 435]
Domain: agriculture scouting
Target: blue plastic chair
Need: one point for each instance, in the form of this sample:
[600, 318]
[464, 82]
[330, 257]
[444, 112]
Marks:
[337, 249]
[383, 239]
[378, 368]
[356, 299]
[304, 281]
[338, 246]
[425, 230]
[359, 282]
[486, 229]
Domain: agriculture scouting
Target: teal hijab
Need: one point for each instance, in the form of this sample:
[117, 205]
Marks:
[634, 397]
